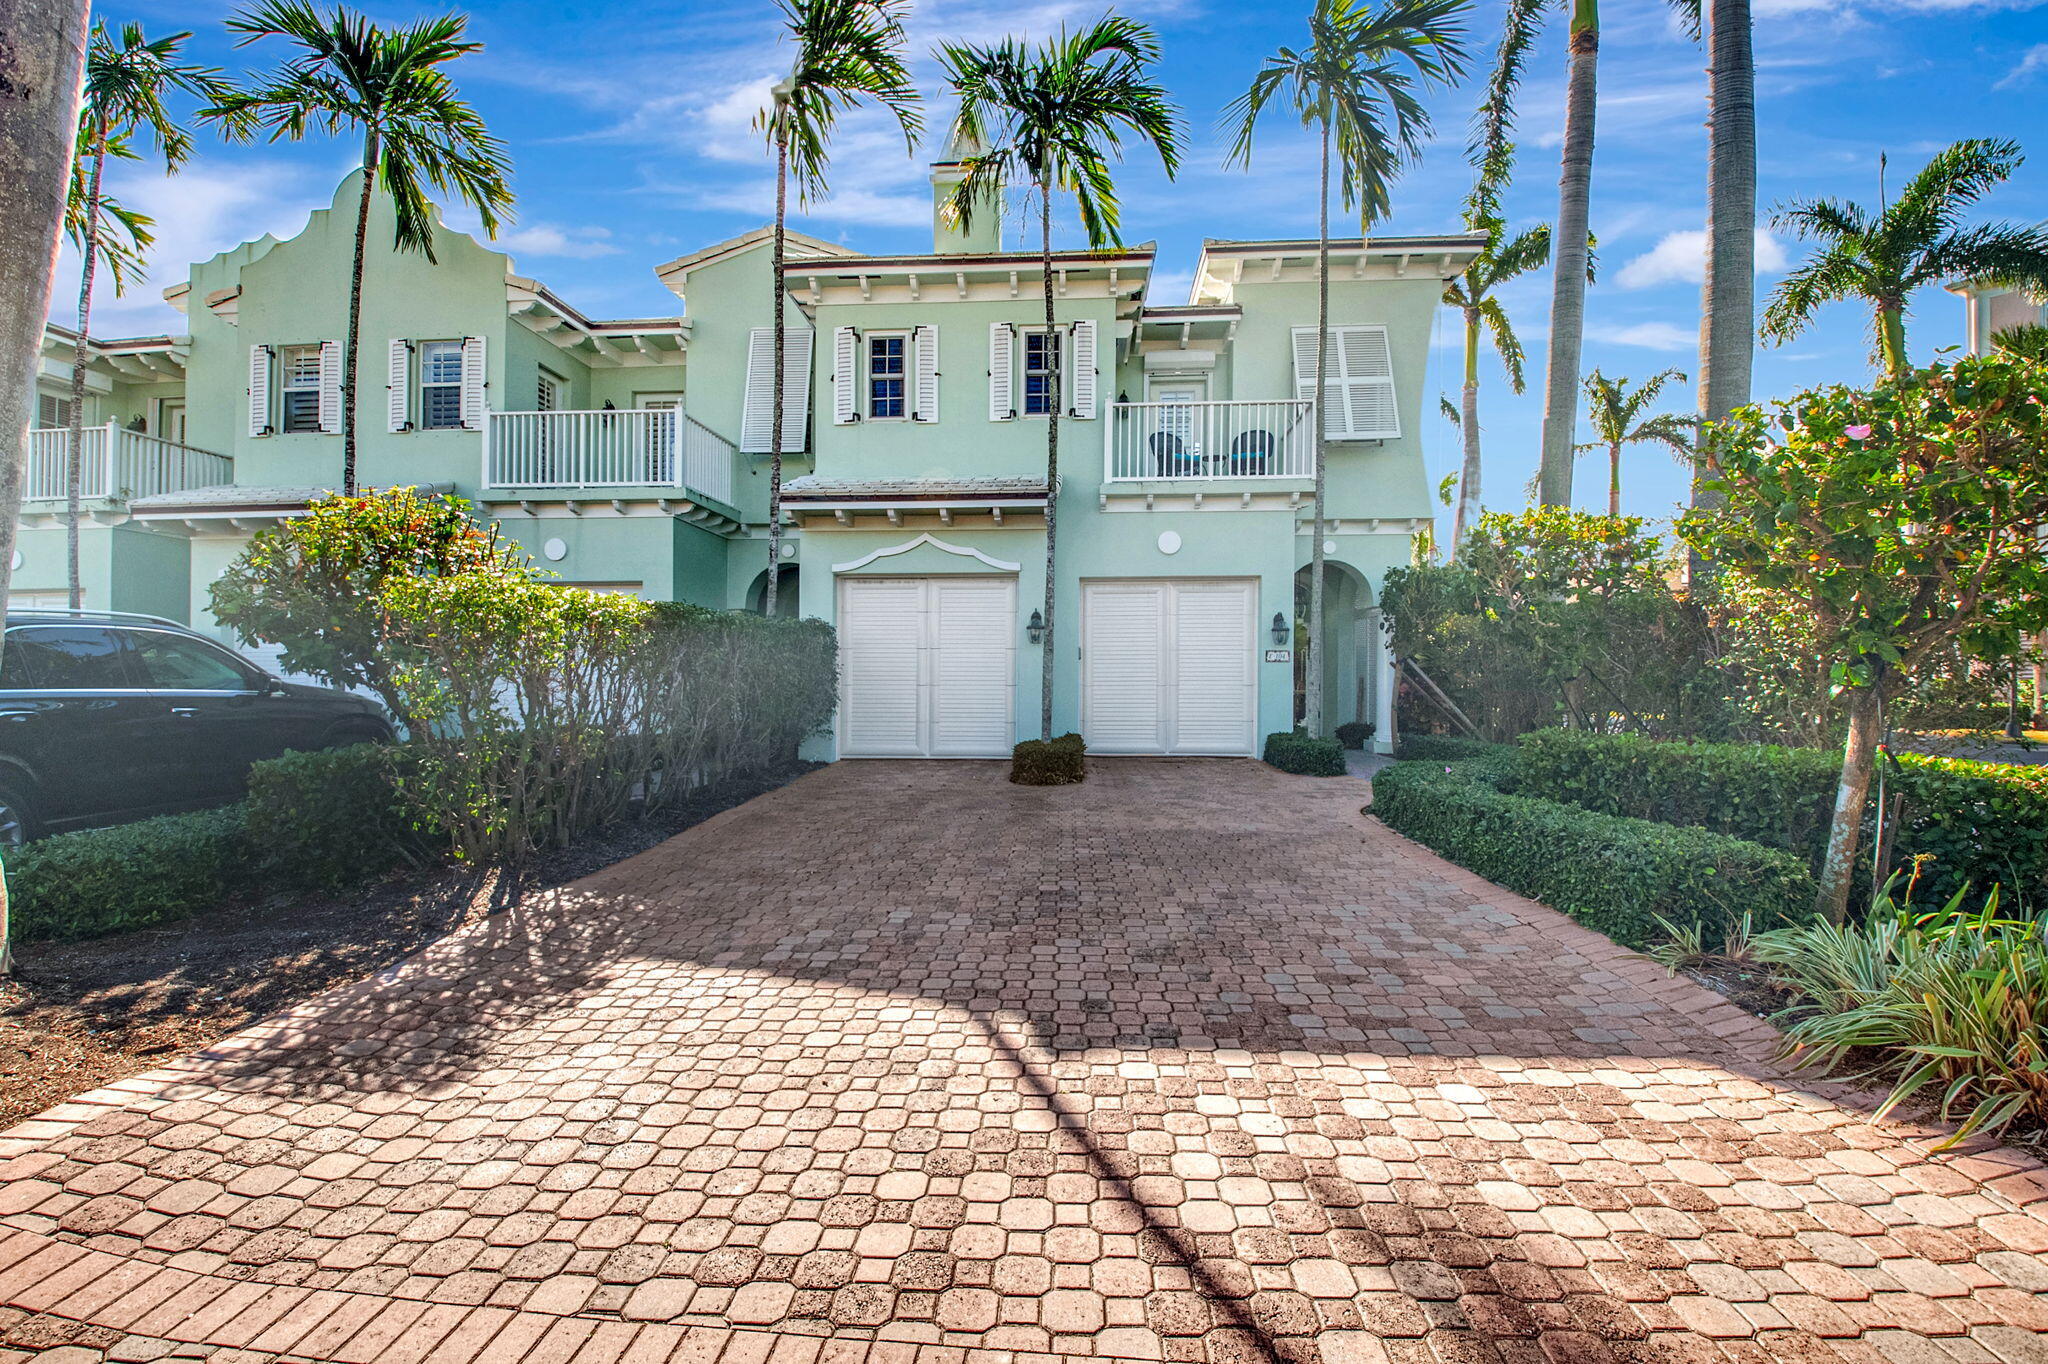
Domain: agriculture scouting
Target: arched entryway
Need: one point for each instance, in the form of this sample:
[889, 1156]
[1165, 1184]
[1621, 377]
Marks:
[785, 592]
[1354, 650]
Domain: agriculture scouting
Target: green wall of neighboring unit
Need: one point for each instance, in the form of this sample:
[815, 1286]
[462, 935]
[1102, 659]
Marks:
[152, 572]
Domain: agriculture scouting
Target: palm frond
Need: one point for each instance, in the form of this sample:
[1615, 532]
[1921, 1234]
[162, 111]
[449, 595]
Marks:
[1833, 275]
[1505, 343]
[847, 52]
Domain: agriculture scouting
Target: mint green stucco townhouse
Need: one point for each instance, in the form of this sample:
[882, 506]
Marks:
[631, 455]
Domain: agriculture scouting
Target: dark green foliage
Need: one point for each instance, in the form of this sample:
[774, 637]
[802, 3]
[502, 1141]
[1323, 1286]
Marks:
[1616, 875]
[332, 819]
[100, 881]
[1445, 748]
[1354, 733]
[1304, 755]
[1979, 823]
[1049, 762]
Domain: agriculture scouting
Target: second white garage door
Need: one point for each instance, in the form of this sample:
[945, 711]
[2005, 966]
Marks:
[927, 667]
[1168, 666]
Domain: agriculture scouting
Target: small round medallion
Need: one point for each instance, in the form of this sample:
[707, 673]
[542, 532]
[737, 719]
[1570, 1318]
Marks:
[556, 549]
[1169, 542]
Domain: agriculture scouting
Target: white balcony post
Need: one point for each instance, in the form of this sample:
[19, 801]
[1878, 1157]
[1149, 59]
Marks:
[1112, 418]
[485, 481]
[679, 422]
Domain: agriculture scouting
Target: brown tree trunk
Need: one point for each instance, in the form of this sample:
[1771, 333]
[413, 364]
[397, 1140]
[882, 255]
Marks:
[74, 462]
[1568, 285]
[1859, 759]
[42, 58]
[1054, 357]
[355, 318]
[775, 385]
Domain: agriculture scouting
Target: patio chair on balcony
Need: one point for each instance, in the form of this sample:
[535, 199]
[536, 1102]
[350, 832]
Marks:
[1251, 454]
[1170, 456]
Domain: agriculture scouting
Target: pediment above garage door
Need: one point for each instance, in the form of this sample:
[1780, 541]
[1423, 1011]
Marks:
[926, 553]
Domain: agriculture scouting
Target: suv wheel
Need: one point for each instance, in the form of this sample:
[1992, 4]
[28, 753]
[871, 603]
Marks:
[17, 816]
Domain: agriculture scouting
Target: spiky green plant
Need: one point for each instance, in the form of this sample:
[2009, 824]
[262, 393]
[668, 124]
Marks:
[2028, 341]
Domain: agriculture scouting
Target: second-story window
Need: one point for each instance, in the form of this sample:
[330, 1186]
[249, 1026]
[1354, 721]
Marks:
[887, 376]
[440, 385]
[299, 376]
[1041, 369]
[52, 412]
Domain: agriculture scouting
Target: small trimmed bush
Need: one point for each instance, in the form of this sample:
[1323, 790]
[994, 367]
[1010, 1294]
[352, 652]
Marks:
[1305, 755]
[1049, 762]
[1615, 875]
[1445, 748]
[1354, 733]
[100, 881]
[328, 820]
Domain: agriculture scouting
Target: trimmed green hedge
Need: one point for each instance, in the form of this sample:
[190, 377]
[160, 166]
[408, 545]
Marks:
[1305, 755]
[1444, 748]
[100, 881]
[1614, 874]
[1981, 822]
[1049, 762]
[328, 819]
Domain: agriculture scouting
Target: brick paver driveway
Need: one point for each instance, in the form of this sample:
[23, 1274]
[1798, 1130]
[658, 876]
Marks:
[1193, 1062]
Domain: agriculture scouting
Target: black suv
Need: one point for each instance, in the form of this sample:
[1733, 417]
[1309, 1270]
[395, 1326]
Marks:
[106, 716]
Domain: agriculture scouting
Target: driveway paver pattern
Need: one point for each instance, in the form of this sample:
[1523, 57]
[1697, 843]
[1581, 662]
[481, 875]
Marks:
[901, 1064]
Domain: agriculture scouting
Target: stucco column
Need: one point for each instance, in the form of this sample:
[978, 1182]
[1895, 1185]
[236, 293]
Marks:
[1382, 687]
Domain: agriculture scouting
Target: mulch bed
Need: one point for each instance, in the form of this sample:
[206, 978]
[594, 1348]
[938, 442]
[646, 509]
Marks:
[78, 1015]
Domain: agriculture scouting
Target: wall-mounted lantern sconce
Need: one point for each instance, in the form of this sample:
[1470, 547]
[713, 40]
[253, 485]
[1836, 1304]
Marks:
[1280, 631]
[1035, 628]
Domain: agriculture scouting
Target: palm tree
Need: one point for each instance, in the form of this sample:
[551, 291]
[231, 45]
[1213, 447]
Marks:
[126, 81]
[1054, 117]
[1881, 258]
[1355, 84]
[846, 51]
[1614, 408]
[1574, 223]
[350, 75]
[1728, 294]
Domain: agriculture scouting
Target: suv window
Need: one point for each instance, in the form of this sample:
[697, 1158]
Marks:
[66, 658]
[175, 663]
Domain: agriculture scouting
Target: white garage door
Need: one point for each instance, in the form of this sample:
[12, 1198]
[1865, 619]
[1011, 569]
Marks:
[1169, 666]
[927, 667]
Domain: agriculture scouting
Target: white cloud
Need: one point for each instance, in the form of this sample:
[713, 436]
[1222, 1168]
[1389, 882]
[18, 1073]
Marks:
[553, 239]
[1646, 336]
[1681, 258]
[2032, 63]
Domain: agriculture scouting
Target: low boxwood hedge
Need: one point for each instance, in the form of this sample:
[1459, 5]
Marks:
[100, 881]
[1614, 874]
[328, 819]
[1305, 755]
[1049, 762]
[1980, 822]
[1444, 748]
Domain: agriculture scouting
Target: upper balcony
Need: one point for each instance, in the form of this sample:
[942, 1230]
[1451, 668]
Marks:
[118, 465]
[1186, 442]
[562, 453]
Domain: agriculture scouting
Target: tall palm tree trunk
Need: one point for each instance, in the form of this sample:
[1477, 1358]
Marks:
[1054, 355]
[44, 41]
[355, 317]
[1312, 697]
[1728, 297]
[1468, 427]
[1859, 757]
[1891, 337]
[74, 461]
[775, 388]
[1568, 292]
[1614, 479]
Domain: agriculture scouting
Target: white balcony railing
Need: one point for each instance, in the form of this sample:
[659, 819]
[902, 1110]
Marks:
[632, 448]
[1187, 440]
[117, 465]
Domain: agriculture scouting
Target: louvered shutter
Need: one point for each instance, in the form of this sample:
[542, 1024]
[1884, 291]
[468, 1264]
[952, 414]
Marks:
[330, 387]
[1082, 383]
[259, 390]
[473, 379]
[757, 407]
[398, 377]
[845, 376]
[1359, 375]
[1002, 376]
[924, 345]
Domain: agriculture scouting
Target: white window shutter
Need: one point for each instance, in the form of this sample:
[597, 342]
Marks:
[924, 344]
[259, 390]
[757, 409]
[1369, 407]
[398, 385]
[845, 376]
[473, 380]
[330, 387]
[1002, 372]
[1081, 381]
[1305, 365]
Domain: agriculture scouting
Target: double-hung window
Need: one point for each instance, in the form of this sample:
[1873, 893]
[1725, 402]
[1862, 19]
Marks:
[1041, 371]
[888, 394]
[52, 412]
[299, 376]
[440, 385]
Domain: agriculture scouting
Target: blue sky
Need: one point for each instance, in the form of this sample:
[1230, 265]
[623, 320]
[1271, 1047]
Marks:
[629, 125]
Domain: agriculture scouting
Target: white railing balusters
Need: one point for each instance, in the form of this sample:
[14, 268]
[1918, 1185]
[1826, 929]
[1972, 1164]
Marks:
[117, 464]
[635, 447]
[1209, 440]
